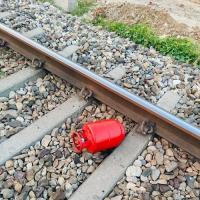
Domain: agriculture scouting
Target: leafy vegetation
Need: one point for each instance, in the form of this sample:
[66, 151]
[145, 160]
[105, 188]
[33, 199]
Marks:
[182, 49]
[83, 7]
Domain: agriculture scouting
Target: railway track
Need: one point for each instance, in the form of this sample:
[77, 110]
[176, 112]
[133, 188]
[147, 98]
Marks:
[167, 125]
[69, 113]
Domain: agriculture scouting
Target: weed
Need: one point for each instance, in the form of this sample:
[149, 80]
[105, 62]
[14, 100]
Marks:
[182, 49]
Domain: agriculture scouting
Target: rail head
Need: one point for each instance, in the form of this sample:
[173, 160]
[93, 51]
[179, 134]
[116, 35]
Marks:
[168, 126]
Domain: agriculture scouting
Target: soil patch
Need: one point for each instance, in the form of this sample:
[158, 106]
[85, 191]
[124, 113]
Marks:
[159, 20]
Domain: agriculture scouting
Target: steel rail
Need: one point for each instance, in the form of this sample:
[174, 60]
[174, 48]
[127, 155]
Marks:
[168, 126]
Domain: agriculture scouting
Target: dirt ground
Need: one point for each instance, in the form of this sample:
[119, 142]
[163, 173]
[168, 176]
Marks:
[166, 17]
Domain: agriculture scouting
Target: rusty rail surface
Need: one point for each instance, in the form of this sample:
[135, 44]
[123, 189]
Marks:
[168, 126]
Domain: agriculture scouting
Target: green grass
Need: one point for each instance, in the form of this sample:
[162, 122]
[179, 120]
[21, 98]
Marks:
[182, 49]
[83, 7]
[50, 1]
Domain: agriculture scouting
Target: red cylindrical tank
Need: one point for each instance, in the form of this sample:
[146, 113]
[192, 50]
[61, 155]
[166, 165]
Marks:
[98, 136]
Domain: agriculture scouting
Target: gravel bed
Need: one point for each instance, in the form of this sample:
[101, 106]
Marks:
[188, 107]
[31, 102]
[11, 62]
[48, 42]
[9, 5]
[20, 21]
[161, 172]
[151, 82]
[50, 169]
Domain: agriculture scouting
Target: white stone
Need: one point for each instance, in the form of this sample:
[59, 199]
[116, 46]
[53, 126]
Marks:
[176, 82]
[130, 186]
[68, 51]
[144, 178]
[161, 181]
[137, 163]
[42, 89]
[18, 187]
[169, 152]
[6, 13]
[133, 171]
[171, 166]
[159, 158]
[197, 165]
[182, 186]
[117, 73]
[11, 94]
[155, 174]
[169, 100]
[46, 140]
[68, 189]
[13, 113]
[44, 171]
[29, 166]
[148, 157]
[132, 179]
[151, 149]
[34, 32]
[135, 68]
[7, 193]
[20, 119]
[61, 181]
[3, 133]
[9, 164]
[19, 106]
[117, 198]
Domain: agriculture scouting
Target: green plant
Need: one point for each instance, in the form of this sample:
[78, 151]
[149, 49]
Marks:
[142, 34]
[182, 49]
[83, 7]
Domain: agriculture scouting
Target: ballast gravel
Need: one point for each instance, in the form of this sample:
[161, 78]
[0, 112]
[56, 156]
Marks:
[161, 172]
[188, 107]
[148, 73]
[28, 104]
[19, 21]
[50, 169]
[11, 62]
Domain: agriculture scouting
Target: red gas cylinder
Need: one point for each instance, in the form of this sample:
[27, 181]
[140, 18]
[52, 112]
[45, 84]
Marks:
[98, 136]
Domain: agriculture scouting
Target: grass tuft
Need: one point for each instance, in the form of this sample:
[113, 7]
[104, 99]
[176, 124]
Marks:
[83, 7]
[182, 49]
